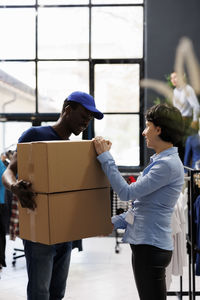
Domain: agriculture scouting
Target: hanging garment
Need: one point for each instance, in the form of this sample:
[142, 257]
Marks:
[192, 150]
[14, 219]
[197, 221]
[179, 255]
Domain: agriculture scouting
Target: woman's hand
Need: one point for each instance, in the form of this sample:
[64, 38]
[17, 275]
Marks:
[101, 145]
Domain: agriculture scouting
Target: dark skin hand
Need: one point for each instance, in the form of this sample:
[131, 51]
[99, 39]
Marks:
[21, 188]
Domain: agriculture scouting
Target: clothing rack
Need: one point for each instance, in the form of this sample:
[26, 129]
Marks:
[15, 256]
[192, 249]
[116, 211]
[193, 191]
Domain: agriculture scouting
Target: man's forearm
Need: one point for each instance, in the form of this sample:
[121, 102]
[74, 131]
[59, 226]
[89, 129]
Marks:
[8, 179]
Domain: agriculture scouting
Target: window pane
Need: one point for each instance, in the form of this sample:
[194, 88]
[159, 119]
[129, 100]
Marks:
[117, 1]
[10, 133]
[17, 40]
[17, 87]
[63, 32]
[117, 32]
[67, 2]
[56, 80]
[123, 132]
[117, 87]
[17, 2]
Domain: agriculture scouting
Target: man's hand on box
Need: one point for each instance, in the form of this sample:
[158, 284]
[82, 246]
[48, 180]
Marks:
[23, 190]
[101, 145]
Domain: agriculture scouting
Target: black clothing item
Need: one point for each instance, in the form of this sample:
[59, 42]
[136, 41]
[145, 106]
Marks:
[77, 244]
[5, 212]
[3, 209]
[149, 265]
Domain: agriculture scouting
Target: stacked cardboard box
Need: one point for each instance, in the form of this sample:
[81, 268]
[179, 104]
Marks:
[73, 194]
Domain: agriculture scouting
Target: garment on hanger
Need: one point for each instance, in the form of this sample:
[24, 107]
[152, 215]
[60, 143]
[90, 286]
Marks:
[197, 221]
[120, 206]
[192, 150]
[14, 219]
[179, 255]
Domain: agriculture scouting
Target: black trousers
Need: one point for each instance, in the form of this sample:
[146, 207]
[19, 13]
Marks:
[149, 265]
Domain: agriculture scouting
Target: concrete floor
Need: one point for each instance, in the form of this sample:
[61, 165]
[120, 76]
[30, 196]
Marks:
[96, 273]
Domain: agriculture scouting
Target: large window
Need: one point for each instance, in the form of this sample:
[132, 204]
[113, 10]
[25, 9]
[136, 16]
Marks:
[55, 47]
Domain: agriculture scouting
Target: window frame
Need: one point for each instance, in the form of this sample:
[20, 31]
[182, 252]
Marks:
[37, 118]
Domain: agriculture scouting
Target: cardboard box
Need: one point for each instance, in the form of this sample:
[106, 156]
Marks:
[67, 216]
[60, 166]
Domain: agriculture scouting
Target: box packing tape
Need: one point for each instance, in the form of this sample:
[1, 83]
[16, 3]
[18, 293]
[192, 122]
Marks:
[32, 214]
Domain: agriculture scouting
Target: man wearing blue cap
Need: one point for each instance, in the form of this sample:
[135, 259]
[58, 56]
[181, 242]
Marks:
[48, 265]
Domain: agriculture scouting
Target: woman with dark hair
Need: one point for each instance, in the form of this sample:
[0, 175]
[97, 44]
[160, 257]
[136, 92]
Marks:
[148, 224]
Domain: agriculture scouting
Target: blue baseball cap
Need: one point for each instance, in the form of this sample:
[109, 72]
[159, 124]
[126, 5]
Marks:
[87, 101]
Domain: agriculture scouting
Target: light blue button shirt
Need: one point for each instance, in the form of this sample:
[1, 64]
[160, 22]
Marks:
[154, 196]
